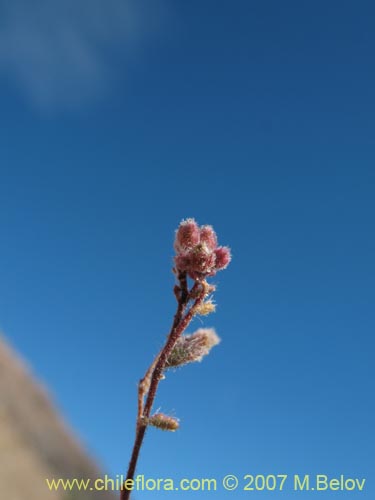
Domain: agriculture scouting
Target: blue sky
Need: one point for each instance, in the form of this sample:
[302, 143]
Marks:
[257, 118]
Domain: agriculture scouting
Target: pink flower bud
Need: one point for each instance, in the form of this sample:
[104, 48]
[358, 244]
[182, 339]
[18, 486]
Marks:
[223, 257]
[187, 235]
[208, 236]
[201, 261]
[182, 261]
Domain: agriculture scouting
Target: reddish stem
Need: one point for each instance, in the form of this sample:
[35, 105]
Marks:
[179, 325]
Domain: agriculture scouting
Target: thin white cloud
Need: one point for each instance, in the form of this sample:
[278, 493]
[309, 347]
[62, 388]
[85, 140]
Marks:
[62, 52]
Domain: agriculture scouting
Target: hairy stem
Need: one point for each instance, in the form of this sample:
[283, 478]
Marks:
[149, 384]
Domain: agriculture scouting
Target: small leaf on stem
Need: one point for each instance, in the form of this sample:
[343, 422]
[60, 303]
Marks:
[163, 422]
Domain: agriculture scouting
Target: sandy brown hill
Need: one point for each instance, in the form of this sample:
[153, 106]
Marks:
[35, 444]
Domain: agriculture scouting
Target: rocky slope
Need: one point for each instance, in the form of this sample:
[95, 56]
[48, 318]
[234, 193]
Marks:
[35, 444]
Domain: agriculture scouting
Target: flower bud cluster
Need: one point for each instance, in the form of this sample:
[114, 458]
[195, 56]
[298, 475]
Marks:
[197, 250]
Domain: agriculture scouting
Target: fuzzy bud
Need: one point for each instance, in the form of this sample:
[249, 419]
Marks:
[208, 237]
[223, 257]
[194, 347]
[163, 422]
[201, 261]
[187, 235]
